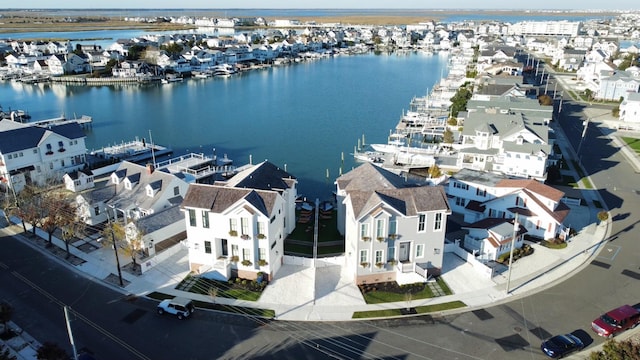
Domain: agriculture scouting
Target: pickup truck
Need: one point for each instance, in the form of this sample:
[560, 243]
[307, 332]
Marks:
[616, 321]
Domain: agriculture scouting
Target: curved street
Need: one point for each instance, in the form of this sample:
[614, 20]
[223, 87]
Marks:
[116, 327]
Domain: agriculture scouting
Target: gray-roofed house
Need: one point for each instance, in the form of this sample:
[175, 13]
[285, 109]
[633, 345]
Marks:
[479, 195]
[630, 108]
[160, 234]
[505, 140]
[238, 227]
[392, 227]
[35, 154]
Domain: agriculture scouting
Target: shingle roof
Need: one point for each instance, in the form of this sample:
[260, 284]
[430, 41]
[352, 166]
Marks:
[218, 199]
[533, 186]
[263, 176]
[368, 177]
[158, 220]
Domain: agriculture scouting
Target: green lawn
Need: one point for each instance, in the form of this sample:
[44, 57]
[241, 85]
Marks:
[551, 245]
[633, 143]
[380, 296]
[398, 312]
[224, 289]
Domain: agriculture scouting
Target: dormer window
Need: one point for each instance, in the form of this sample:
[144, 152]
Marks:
[149, 191]
[49, 151]
[127, 184]
[60, 146]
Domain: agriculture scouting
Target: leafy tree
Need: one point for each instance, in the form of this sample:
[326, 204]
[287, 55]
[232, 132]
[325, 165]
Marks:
[545, 100]
[135, 52]
[452, 121]
[588, 93]
[460, 99]
[172, 48]
[615, 112]
[71, 230]
[434, 171]
[51, 351]
[6, 313]
[447, 137]
[614, 350]
[59, 212]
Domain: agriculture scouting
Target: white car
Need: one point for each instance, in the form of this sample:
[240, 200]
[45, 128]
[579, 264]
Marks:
[180, 307]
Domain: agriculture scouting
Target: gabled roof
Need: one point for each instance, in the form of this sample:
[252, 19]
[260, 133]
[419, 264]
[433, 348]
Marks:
[406, 201]
[18, 138]
[533, 186]
[219, 199]
[263, 176]
[368, 177]
[158, 220]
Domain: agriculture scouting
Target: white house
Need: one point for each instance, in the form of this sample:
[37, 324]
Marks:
[489, 238]
[630, 108]
[237, 228]
[479, 195]
[78, 180]
[392, 227]
[34, 154]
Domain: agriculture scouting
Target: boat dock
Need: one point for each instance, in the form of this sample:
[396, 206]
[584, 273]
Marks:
[84, 121]
[199, 166]
[136, 151]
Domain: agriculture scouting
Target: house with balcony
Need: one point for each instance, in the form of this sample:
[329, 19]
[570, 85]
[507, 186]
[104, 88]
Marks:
[129, 193]
[508, 136]
[34, 154]
[489, 238]
[630, 108]
[236, 228]
[479, 195]
[392, 227]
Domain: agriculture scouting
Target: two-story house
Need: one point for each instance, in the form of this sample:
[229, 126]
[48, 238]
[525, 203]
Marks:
[34, 154]
[392, 227]
[479, 195]
[237, 228]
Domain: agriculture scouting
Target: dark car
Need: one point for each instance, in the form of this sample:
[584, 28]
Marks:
[561, 345]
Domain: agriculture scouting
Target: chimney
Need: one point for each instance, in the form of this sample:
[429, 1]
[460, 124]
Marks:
[150, 169]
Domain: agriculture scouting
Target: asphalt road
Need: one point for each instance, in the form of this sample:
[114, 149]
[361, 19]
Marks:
[117, 328]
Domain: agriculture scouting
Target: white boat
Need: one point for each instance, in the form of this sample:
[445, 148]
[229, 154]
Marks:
[396, 141]
[202, 74]
[370, 156]
[225, 70]
[170, 79]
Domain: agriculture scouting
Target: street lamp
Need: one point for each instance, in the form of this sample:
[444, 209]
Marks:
[584, 133]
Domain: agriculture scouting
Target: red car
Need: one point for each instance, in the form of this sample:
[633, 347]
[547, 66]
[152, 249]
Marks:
[616, 321]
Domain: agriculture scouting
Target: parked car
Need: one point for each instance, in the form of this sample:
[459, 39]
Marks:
[561, 345]
[616, 321]
[181, 307]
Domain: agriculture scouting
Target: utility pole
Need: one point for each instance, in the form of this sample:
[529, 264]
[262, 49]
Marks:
[115, 248]
[584, 133]
[73, 343]
[513, 243]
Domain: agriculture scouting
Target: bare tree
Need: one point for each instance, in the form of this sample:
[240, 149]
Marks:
[51, 351]
[71, 230]
[30, 209]
[59, 212]
[133, 245]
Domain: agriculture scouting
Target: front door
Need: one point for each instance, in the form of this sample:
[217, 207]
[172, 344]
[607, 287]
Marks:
[225, 251]
[404, 251]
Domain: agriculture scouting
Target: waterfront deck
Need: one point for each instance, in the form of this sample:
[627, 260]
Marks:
[199, 166]
[134, 151]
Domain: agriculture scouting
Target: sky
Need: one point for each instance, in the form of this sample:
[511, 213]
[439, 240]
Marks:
[331, 4]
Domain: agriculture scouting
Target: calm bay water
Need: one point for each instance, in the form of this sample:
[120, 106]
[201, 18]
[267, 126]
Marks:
[303, 116]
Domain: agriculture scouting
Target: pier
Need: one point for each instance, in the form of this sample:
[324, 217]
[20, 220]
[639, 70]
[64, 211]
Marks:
[199, 166]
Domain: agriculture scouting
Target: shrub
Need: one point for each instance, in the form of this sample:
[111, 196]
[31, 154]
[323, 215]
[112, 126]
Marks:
[603, 215]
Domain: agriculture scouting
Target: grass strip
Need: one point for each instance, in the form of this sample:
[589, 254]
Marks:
[398, 312]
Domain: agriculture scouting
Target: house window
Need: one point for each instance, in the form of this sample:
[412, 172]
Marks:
[391, 253]
[35, 151]
[379, 254]
[192, 217]
[176, 191]
[96, 210]
[207, 247]
[393, 227]
[363, 256]
[234, 250]
[380, 228]
[422, 219]
[460, 185]
[364, 230]
[233, 225]
[246, 254]
[437, 224]
[436, 251]
[419, 250]
[60, 145]
[263, 254]
[481, 192]
[460, 201]
[261, 228]
[48, 147]
[244, 224]
[205, 219]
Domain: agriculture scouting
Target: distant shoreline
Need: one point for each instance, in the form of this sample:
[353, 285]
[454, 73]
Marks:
[57, 20]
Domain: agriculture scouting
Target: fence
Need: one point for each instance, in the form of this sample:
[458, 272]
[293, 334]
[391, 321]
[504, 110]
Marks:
[480, 268]
[309, 262]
